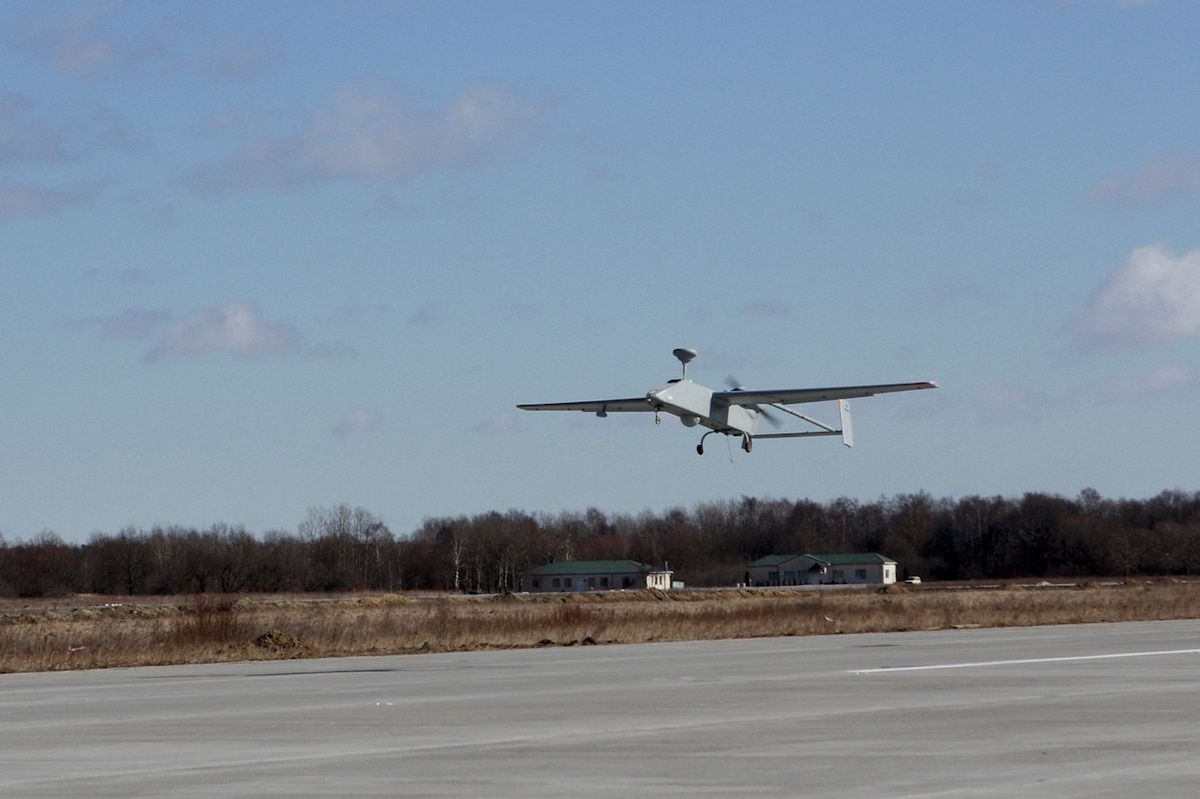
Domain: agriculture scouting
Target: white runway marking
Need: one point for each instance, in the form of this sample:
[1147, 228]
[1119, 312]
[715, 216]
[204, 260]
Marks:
[982, 663]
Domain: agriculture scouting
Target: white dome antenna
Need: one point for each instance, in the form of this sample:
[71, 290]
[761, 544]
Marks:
[684, 354]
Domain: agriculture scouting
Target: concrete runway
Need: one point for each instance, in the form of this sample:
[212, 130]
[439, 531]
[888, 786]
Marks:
[1075, 711]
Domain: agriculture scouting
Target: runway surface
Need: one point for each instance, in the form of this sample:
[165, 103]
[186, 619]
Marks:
[1074, 711]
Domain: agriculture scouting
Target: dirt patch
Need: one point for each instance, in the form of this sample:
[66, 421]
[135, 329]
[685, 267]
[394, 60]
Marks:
[277, 640]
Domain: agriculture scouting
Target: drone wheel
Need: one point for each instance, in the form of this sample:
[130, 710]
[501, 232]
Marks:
[747, 444]
[699, 449]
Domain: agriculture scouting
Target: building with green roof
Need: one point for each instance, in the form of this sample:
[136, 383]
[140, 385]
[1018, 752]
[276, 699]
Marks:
[856, 568]
[595, 575]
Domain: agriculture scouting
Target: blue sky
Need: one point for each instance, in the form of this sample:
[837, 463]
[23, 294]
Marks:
[264, 257]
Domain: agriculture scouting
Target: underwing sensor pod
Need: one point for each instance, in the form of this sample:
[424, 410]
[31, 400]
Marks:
[738, 411]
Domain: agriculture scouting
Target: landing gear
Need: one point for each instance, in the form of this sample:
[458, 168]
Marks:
[700, 446]
[747, 441]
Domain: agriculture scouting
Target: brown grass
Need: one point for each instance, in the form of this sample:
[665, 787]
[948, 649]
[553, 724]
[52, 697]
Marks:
[213, 629]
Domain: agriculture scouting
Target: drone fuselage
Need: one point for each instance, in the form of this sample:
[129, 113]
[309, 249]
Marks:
[735, 412]
[694, 404]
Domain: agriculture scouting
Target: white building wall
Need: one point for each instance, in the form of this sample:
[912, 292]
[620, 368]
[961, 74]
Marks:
[803, 570]
[599, 581]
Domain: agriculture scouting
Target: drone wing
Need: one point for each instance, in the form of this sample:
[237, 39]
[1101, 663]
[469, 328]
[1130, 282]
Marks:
[797, 396]
[594, 406]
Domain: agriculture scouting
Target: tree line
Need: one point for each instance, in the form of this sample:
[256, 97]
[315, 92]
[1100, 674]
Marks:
[343, 548]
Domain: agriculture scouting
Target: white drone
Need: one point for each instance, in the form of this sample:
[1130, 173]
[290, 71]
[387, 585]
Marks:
[735, 412]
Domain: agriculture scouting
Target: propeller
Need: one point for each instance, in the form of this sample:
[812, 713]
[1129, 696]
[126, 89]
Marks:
[736, 385]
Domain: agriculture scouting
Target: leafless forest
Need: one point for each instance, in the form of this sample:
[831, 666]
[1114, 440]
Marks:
[347, 549]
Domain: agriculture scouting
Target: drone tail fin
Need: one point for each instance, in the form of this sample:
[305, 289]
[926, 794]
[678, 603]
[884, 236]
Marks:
[847, 427]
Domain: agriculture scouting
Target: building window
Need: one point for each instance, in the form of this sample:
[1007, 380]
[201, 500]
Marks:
[839, 577]
[860, 574]
[555, 583]
[604, 582]
[537, 583]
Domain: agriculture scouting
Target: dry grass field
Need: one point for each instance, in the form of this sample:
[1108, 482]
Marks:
[103, 632]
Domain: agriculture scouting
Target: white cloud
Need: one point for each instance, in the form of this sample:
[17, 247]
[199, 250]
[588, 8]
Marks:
[34, 133]
[24, 137]
[81, 41]
[234, 58]
[503, 424]
[1153, 298]
[358, 420]
[98, 39]
[134, 275]
[365, 135]
[1165, 379]
[131, 324]
[950, 288]
[424, 316]
[26, 200]
[236, 328]
[1159, 180]
[330, 349]
[385, 206]
[763, 309]
[1010, 403]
